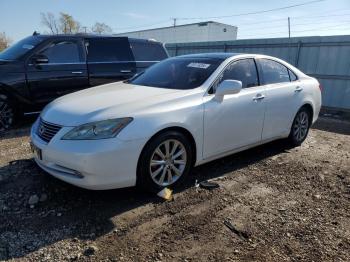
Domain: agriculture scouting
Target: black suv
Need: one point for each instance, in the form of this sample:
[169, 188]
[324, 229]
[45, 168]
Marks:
[40, 68]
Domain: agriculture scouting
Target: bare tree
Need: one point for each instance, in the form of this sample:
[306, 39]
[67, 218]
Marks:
[49, 20]
[65, 23]
[4, 41]
[101, 28]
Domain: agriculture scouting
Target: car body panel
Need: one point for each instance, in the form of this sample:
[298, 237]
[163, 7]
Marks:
[218, 127]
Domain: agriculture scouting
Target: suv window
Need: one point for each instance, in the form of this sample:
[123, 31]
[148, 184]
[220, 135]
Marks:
[273, 72]
[243, 70]
[109, 50]
[148, 51]
[62, 52]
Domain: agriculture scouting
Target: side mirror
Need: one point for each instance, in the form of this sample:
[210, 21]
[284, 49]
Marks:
[228, 87]
[40, 59]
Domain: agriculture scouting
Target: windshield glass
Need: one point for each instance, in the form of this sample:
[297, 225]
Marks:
[20, 48]
[178, 73]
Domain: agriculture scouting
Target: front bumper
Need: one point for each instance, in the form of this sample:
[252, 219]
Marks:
[91, 164]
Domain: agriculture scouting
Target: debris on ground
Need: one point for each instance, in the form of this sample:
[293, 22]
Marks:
[208, 185]
[166, 194]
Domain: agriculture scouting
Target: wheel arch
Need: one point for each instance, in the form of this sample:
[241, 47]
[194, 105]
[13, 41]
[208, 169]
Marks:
[179, 129]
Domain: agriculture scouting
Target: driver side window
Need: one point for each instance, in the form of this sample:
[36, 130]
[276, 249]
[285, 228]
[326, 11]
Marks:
[242, 70]
[62, 52]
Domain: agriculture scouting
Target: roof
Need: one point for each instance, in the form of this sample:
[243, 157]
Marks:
[211, 55]
[158, 28]
[94, 36]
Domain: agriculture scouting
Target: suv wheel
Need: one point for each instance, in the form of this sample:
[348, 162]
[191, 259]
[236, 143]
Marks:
[165, 162]
[7, 113]
[300, 127]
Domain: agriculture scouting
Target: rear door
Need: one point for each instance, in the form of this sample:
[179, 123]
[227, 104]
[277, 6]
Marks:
[282, 97]
[56, 69]
[147, 53]
[109, 60]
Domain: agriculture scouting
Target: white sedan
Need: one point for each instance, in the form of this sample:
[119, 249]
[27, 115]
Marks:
[182, 112]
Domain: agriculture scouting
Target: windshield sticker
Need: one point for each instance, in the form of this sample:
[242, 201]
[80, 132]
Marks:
[198, 65]
[27, 47]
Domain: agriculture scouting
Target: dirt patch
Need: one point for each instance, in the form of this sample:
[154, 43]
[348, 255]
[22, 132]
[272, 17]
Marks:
[293, 204]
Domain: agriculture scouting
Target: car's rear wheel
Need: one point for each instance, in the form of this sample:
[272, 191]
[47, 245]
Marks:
[165, 162]
[7, 113]
[300, 127]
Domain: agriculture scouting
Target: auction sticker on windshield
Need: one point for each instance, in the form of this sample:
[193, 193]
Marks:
[198, 65]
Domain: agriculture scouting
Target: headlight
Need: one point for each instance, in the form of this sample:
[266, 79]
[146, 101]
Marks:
[98, 130]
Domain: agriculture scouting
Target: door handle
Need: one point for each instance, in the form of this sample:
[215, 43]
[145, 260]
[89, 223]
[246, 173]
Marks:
[298, 89]
[125, 71]
[258, 97]
[77, 72]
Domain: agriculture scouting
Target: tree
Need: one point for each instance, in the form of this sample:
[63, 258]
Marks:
[101, 28]
[4, 41]
[49, 20]
[64, 24]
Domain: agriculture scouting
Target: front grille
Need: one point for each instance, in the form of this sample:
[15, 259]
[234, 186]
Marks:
[46, 131]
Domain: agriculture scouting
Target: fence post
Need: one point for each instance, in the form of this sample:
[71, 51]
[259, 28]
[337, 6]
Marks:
[225, 48]
[175, 49]
[298, 54]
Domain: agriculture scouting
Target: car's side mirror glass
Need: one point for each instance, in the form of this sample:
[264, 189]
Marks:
[228, 87]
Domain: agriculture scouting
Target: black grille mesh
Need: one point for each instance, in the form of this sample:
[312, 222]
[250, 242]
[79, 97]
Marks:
[46, 131]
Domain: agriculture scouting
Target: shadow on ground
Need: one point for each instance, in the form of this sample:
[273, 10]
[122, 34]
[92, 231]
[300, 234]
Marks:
[73, 213]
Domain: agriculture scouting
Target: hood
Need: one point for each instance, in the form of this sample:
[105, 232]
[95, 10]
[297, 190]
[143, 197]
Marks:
[106, 102]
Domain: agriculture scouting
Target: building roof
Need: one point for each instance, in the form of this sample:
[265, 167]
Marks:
[167, 27]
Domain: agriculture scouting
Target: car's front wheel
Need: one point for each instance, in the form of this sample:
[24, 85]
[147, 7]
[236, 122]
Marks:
[300, 127]
[165, 161]
[7, 113]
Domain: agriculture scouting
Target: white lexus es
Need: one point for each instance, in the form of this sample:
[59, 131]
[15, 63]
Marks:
[182, 112]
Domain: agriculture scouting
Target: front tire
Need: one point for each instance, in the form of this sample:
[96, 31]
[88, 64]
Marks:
[300, 127]
[7, 113]
[165, 162]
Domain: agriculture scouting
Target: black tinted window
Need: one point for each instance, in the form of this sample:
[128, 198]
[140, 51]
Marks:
[292, 76]
[178, 73]
[62, 52]
[242, 70]
[148, 51]
[273, 72]
[20, 48]
[109, 50]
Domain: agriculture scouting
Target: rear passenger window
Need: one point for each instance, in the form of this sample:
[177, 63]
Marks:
[273, 72]
[292, 76]
[243, 70]
[109, 50]
[148, 51]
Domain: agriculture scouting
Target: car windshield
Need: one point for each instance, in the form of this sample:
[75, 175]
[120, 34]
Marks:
[20, 48]
[178, 73]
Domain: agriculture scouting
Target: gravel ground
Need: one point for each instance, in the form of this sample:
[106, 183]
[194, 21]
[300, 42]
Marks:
[285, 204]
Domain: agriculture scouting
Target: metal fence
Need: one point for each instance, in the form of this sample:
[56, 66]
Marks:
[325, 57]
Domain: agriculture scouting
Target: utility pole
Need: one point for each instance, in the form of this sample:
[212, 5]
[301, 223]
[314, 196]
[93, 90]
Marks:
[174, 21]
[289, 27]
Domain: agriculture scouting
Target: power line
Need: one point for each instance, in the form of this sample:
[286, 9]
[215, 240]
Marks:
[251, 13]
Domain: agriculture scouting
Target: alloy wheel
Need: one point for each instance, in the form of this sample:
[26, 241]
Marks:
[168, 162]
[301, 126]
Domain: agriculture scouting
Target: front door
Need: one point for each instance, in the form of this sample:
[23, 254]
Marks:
[57, 69]
[237, 120]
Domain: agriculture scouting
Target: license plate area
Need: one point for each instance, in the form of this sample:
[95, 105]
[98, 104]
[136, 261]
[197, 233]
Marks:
[36, 151]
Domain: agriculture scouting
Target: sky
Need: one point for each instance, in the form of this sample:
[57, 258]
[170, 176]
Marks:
[20, 18]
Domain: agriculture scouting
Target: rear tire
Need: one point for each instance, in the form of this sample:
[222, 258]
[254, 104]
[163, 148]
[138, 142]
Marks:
[7, 113]
[300, 127]
[165, 161]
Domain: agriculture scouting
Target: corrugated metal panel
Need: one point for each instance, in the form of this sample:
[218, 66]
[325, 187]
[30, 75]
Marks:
[325, 57]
